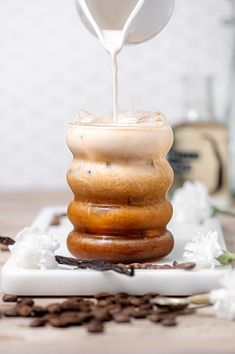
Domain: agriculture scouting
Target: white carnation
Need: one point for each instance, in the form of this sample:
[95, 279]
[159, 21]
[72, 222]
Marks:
[223, 299]
[191, 203]
[34, 249]
[203, 250]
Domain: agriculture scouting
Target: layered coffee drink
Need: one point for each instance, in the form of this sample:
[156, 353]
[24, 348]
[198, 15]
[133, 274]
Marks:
[120, 177]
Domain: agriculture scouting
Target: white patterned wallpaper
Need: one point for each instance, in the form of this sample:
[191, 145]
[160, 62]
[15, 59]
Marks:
[51, 67]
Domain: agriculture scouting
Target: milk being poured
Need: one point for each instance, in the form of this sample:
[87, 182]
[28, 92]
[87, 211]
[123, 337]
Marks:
[112, 29]
[112, 39]
[116, 22]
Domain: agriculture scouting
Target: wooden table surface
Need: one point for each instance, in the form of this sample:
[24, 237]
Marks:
[198, 333]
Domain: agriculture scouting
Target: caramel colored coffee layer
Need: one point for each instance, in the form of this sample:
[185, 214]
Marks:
[120, 249]
[119, 218]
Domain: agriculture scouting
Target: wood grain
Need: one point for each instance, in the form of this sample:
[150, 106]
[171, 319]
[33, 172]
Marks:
[200, 333]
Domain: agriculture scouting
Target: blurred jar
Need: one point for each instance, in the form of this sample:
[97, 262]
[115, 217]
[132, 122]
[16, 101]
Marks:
[229, 21]
[231, 129]
[202, 140]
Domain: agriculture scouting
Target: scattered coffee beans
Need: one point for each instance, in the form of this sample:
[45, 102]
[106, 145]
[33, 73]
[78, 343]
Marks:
[94, 312]
[56, 219]
[54, 308]
[24, 310]
[95, 326]
[9, 298]
[26, 301]
[4, 248]
[169, 321]
[122, 317]
[38, 322]
[38, 311]
[12, 312]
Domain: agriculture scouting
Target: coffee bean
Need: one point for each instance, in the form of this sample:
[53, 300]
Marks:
[90, 302]
[85, 316]
[101, 314]
[38, 310]
[146, 297]
[147, 266]
[48, 316]
[71, 306]
[154, 317]
[188, 265]
[95, 326]
[68, 318]
[74, 299]
[105, 302]
[128, 310]
[121, 295]
[116, 309]
[121, 317]
[56, 322]
[140, 313]
[9, 298]
[136, 265]
[4, 248]
[24, 310]
[166, 266]
[123, 301]
[185, 265]
[54, 308]
[38, 322]
[136, 301]
[110, 306]
[169, 321]
[86, 308]
[55, 221]
[71, 318]
[87, 302]
[102, 295]
[146, 307]
[163, 309]
[12, 312]
[26, 301]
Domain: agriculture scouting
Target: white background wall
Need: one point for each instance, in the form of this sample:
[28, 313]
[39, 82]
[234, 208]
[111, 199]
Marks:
[51, 67]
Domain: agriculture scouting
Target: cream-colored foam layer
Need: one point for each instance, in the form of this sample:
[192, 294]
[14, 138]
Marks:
[121, 141]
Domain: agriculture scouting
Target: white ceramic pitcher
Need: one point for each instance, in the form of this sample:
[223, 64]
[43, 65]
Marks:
[138, 20]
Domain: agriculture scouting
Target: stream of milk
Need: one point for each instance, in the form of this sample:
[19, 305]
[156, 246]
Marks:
[112, 30]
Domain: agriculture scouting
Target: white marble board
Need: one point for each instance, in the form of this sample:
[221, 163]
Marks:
[65, 282]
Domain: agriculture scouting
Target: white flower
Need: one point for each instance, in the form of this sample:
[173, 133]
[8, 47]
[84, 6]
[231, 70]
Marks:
[34, 249]
[203, 249]
[223, 299]
[191, 203]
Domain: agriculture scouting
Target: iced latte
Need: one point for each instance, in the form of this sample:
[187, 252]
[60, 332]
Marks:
[120, 176]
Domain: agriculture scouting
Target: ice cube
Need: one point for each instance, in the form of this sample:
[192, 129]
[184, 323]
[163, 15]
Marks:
[132, 116]
[152, 117]
[84, 117]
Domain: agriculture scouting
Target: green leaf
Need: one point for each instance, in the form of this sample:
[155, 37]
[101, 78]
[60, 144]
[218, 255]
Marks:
[226, 258]
[215, 211]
